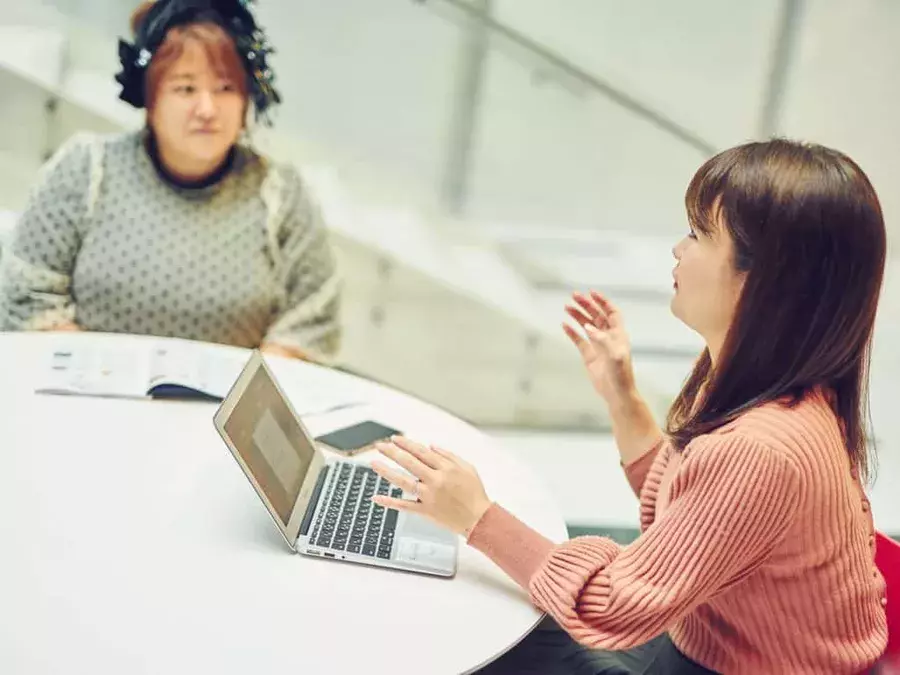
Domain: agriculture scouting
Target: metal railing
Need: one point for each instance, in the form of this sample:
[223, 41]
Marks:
[480, 13]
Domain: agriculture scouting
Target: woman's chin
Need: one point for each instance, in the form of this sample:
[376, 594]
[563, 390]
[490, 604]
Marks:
[208, 153]
[208, 146]
[676, 309]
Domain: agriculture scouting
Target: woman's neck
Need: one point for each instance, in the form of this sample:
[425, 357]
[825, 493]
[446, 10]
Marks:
[185, 171]
[714, 345]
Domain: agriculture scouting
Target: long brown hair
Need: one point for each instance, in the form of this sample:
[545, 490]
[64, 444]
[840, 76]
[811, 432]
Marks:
[808, 231]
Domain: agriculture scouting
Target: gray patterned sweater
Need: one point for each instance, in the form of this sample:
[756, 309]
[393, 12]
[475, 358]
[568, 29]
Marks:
[108, 243]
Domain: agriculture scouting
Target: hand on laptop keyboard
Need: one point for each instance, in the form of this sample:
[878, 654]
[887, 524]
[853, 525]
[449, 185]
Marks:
[449, 489]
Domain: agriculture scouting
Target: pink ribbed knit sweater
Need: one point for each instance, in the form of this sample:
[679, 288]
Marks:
[756, 553]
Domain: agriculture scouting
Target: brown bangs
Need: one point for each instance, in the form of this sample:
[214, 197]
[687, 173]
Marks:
[702, 199]
[217, 44]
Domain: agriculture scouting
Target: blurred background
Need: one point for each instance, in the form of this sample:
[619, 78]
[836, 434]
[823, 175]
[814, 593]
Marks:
[478, 160]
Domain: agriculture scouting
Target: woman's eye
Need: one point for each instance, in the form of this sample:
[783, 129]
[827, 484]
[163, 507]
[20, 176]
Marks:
[692, 235]
[227, 87]
[185, 89]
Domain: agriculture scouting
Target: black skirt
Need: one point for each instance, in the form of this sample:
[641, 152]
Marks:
[549, 650]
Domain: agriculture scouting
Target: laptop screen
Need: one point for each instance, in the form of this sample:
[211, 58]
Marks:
[271, 443]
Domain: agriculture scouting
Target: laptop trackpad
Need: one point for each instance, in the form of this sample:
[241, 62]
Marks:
[415, 526]
[420, 540]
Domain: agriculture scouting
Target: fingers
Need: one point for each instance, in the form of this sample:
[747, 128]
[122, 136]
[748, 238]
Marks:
[591, 307]
[421, 452]
[585, 322]
[595, 334]
[446, 455]
[398, 504]
[404, 482]
[405, 459]
[609, 309]
[580, 317]
[592, 310]
[576, 338]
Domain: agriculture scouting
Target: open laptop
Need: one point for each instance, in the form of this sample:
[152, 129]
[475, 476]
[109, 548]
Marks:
[322, 507]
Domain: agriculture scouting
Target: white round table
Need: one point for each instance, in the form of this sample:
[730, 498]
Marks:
[132, 543]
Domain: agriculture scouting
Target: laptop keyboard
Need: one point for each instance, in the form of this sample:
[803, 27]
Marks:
[350, 521]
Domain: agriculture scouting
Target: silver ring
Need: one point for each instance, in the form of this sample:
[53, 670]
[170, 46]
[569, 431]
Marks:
[415, 490]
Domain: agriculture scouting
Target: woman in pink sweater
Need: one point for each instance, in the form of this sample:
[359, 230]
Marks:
[757, 549]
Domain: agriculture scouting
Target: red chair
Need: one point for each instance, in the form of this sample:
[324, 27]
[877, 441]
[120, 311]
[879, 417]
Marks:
[887, 558]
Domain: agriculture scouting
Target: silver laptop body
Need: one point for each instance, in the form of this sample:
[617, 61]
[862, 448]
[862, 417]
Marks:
[322, 507]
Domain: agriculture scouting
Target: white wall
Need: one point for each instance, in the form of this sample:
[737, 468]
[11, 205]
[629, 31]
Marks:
[844, 90]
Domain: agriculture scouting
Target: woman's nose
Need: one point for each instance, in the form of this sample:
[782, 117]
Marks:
[206, 107]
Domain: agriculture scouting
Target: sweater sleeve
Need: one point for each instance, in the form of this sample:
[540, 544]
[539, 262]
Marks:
[649, 489]
[733, 500]
[37, 266]
[308, 315]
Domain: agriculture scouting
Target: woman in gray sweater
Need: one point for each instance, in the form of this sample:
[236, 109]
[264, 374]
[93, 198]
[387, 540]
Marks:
[180, 229]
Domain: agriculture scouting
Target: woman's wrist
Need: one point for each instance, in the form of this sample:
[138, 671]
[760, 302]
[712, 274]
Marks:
[633, 425]
[477, 513]
[627, 406]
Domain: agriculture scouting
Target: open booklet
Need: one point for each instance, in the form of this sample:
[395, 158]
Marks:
[171, 369]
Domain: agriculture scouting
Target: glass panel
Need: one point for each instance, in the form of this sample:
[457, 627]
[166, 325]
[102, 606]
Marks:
[369, 81]
[550, 155]
[704, 63]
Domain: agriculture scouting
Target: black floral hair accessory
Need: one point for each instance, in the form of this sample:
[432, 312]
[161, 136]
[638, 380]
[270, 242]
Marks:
[233, 15]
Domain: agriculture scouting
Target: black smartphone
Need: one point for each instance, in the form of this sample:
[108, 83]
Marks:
[357, 438]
